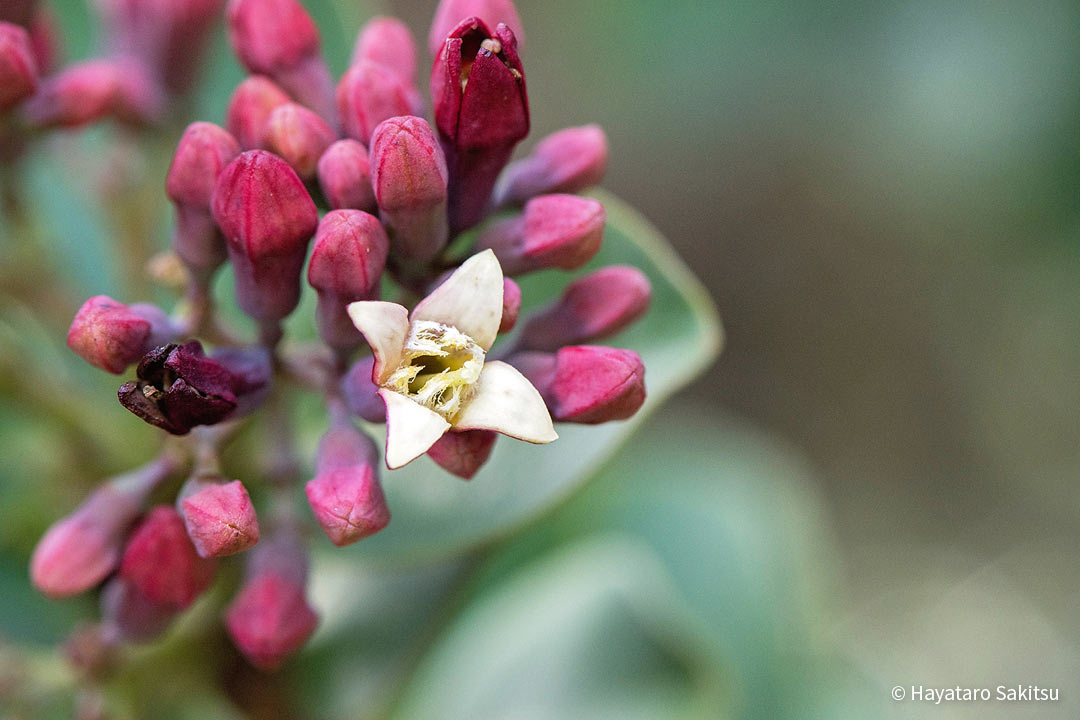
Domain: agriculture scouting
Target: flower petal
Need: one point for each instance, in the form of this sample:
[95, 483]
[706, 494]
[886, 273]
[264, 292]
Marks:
[411, 428]
[470, 299]
[505, 401]
[385, 325]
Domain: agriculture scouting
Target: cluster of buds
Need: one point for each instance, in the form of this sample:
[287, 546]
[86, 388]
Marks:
[385, 197]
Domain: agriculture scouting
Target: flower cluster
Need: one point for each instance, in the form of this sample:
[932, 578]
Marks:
[437, 217]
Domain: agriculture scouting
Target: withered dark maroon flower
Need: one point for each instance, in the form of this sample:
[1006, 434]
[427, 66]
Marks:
[179, 387]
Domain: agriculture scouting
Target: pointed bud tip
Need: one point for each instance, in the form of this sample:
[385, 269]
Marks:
[595, 384]
[220, 519]
[108, 334]
[299, 136]
[345, 176]
[348, 503]
[463, 453]
[249, 108]
[161, 563]
[18, 66]
[270, 619]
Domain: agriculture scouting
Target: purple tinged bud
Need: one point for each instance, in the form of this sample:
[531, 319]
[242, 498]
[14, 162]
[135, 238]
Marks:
[481, 111]
[451, 12]
[592, 307]
[204, 150]
[463, 453]
[511, 305]
[345, 176]
[267, 218]
[161, 563]
[96, 89]
[219, 516]
[18, 67]
[111, 335]
[388, 42]
[130, 616]
[179, 388]
[80, 550]
[567, 161]
[345, 495]
[586, 383]
[45, 40]
[408, 172]
[252, 371]
[299, 136]
[555, 231]
[278, 38]
[361, 393]
[346, 266]
[270, 618]
[249, 108]
[368, 94]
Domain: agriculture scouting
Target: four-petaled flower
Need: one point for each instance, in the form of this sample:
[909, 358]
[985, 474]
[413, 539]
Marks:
[430, 370]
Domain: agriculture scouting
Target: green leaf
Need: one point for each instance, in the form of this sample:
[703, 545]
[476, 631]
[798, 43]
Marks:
[436, 515]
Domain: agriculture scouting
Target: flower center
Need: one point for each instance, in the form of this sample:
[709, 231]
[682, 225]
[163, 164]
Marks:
[440, 367]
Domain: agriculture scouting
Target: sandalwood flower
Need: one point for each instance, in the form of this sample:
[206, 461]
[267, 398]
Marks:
[430, 369]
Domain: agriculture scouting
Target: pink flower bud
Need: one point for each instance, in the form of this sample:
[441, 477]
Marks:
[299, 136]
[111, 336]
[278, 38]
[345, 176]
[80, 550]
[219, 516]
[130, 616]
[249, 108]
[361, 393]
[592, 307]
[269, 619]
[95, 89]
[511, 305]
[463, 453]
[18, 67]
[268, 218]
[408, 172]
[161, 563]
[560, 231]
[204, 150]
[369, 93]
[451, 12]
[346, 266]
[388, 42]
[345, 495]
[586, 383]
[481, 111]
[564, 162]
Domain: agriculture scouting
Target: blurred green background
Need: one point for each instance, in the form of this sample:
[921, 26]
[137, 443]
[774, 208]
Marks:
[877, 483]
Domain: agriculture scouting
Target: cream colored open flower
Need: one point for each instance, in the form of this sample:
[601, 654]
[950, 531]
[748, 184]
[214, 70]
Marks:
[430, 369]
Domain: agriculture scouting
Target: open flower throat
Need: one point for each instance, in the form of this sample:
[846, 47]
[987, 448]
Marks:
[440, 369]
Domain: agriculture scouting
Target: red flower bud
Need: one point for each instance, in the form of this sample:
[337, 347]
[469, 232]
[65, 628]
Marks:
[95, 89]
[586, 383]
[279, 39]
[269, 619]
[450, 13]
[204, 150]
[45, 40]
[561, 231]
[481, 111]
[463, 453]
[267, 217]
[161, 563]
[346, 266]
[18, 67]
[370, 93]
[299, 136]
[80, 550]
[511, 305]
[111, 335]
[388, 42]
[249, 108]
[592, 307]
[345, 495]
[408, 172]
[565, 162]
[345, 176]
[361, 393]
[219, 516]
